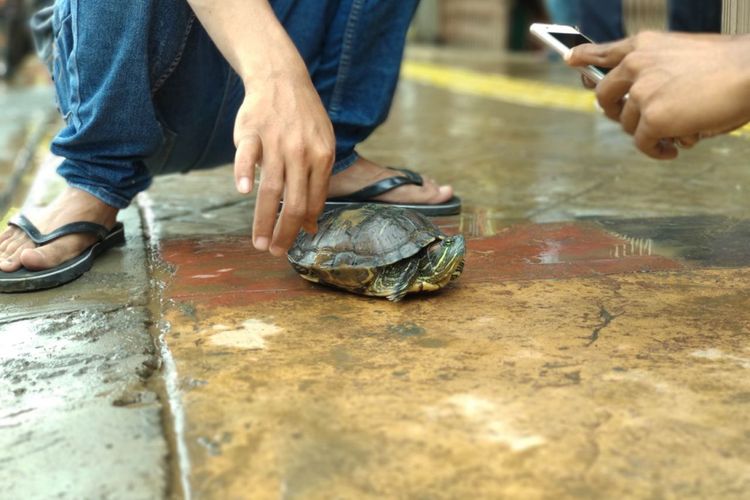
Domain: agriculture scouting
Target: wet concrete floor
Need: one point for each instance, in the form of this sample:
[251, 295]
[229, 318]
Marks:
[597, 345]
[80, 410]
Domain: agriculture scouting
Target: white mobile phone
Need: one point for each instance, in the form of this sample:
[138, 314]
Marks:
[562, 39]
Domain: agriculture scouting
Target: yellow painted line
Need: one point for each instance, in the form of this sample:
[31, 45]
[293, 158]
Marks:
[741, 132]
[500, 87]
[508, 89]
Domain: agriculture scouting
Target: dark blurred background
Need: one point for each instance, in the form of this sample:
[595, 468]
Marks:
[498, 25]
[503, 24]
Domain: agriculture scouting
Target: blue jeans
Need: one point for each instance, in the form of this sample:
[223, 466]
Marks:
[564, 11]
[144, 91]
[602, 19]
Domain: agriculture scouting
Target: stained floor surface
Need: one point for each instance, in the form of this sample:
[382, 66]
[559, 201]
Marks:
[597, 344]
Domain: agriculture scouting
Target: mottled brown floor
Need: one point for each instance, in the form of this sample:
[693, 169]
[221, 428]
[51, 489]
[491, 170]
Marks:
[597, 345]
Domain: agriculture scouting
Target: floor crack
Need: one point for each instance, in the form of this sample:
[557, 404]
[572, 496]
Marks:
[607, 318]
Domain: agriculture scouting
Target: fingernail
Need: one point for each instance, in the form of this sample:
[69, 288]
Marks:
[568, 55]
[277, 251]
[244, 185]
[261, 244]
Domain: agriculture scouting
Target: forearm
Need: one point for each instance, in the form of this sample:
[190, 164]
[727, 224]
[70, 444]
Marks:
[250, 37]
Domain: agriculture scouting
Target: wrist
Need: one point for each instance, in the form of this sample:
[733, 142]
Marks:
[280, 61]
[251, 38]
[274, 57]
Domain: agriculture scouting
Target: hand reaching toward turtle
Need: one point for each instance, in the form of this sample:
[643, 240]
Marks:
[282, 124]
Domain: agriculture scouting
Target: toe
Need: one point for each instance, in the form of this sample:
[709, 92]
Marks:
[8, 265]
[5, 240]
[12, 246]
[445, 193]
[35, 259]
[55, 253]
[436, 193]
[6, 235]
[12, 261]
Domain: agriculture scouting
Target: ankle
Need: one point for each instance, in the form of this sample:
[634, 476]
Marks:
[76, 205]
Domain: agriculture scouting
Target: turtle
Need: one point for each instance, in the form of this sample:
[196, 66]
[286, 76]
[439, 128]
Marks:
[378, 250]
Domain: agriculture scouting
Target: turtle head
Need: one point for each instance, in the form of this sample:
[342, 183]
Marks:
[442, 262]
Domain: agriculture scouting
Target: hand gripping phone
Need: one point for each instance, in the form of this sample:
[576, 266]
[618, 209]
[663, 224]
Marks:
[562, 39]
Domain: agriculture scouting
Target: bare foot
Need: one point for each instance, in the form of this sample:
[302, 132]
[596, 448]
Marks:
[72, 205]
[364, 172]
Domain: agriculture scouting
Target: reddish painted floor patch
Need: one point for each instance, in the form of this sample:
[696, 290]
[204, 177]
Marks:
[228, 271]
[554, 251]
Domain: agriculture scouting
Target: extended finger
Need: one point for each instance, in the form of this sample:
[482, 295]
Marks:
[295, 207]
[267, 204]
[317, 190]
[249, 154]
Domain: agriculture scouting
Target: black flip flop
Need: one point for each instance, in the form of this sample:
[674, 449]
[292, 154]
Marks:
[406, 177]
[24, 280]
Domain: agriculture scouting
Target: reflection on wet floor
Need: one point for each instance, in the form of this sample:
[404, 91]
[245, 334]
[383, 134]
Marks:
[710, 241]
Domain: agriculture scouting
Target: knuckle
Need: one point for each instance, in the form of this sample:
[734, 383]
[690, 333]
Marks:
[653, 117]
[300, 146]
[645, 38]
[637, 94]
[244, 163]
[324, 155]
[295, 148]
[316, 209]
[631, 62]
[295, 210]
[272, 187]
[599, 92]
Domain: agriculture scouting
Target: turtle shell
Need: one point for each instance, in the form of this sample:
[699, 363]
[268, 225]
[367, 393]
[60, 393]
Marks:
[366, 237]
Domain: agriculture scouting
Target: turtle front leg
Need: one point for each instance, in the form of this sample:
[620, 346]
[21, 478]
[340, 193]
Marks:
[394, 281]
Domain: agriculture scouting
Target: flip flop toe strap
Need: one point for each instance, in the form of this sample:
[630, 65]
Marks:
[384, 185]
[25, 225]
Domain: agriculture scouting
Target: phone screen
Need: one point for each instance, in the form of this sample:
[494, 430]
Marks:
[571, 40]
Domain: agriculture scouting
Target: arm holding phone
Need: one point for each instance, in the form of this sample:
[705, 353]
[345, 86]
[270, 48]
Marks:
[679, 86]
